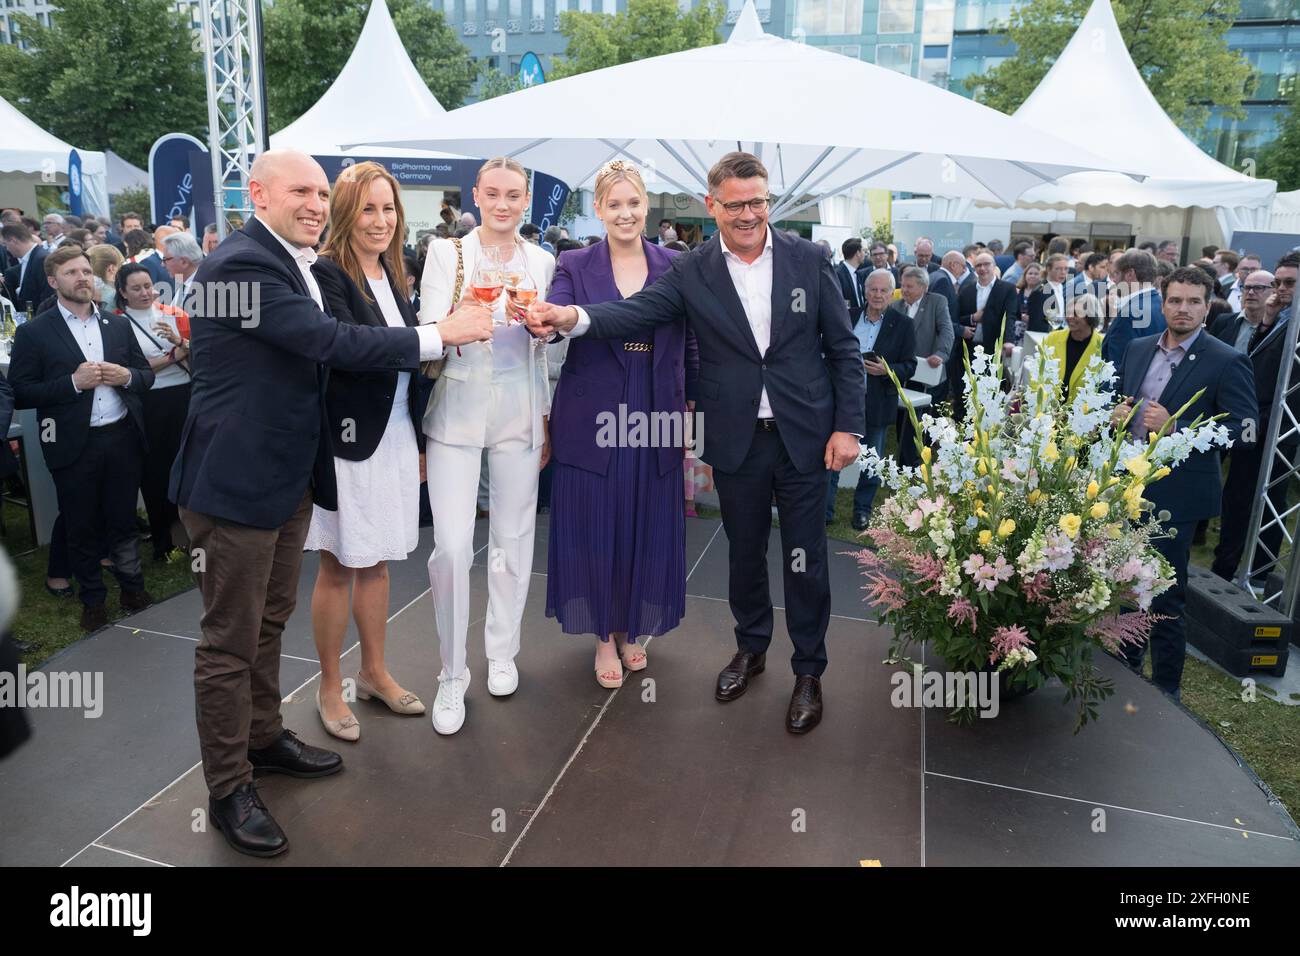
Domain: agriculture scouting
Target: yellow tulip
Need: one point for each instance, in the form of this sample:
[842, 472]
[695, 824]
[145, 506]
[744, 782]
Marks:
[1093, 490]
[982, 468]
[1070, 524]
[1051, 453]
[985, 537]
[1161, 472]
[1034, 496]
[1006, 528]
[1100, 510]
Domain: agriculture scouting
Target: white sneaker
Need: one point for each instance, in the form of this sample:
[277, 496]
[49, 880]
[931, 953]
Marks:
[503, 678]
[449, 705]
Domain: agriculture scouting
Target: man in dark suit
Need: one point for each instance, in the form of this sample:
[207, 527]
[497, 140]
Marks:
[987, 307]
[1266, 303]
[923, 254]
[885, 336]
[84, 373]
[877, 258]
[25, 278]
[781, 386]
[1158, 374]
[933, 327]
[1138, 312]
[255, 453]
[847, 273]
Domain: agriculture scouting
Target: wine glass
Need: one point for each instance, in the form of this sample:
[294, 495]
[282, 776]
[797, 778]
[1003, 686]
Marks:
[513, 267]
[487, 283]
[522, 294]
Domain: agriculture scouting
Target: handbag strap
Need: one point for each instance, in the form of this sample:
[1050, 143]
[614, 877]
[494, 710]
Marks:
[152, 338]
[460, 274]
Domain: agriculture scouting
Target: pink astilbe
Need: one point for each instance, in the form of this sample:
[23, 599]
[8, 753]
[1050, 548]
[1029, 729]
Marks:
[1036, 588]
[1116, 630]
[884, 591]
[928, 569]
[1062, 612]
[961, 610]
[890, 540]
[1008, 639]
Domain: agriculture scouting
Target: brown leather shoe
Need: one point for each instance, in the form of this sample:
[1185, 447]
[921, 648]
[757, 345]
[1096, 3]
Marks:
[93, 618]
[805, 711]
[133, 601]
[733, 680]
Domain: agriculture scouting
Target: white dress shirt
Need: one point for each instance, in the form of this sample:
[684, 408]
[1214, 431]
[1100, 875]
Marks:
[1058, 293]
[107, 406]
[753, 282]
[22, 268]
[304, 256]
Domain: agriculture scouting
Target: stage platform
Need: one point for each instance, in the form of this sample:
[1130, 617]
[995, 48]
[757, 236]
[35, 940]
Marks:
[656, 773]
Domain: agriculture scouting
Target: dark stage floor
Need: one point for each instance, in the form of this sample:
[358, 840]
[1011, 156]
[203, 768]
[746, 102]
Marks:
[656, 773]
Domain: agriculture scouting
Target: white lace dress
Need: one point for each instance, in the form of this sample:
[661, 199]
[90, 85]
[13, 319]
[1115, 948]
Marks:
[379, 498]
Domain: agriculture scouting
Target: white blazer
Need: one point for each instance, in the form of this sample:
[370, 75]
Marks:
[458, 408]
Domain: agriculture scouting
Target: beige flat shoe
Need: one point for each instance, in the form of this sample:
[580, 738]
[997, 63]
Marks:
[407, 704]
[346, 729]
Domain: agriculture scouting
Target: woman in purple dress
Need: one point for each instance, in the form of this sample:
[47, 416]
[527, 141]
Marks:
[617, 553]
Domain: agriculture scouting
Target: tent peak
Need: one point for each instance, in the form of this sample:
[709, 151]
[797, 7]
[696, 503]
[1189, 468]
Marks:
[747, 26]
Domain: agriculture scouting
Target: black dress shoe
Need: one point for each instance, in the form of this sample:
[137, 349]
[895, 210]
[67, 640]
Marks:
[242, 818]
[133, 601]
[805, 705]
[733, 680]
[290, 755]
[860, 520]
[93, 618]
[60, 592]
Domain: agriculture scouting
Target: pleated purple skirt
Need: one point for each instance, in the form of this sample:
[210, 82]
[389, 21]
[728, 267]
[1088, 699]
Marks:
[616, 560]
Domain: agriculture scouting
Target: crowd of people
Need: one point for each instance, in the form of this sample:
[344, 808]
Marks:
[382, 386]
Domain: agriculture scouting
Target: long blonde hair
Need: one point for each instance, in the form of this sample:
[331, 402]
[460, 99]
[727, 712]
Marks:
[349, 198]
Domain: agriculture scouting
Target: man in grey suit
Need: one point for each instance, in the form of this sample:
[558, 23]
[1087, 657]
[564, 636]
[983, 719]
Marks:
[932, 325]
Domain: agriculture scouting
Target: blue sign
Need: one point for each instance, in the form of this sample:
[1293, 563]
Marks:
[171, 181]
[74, 183]
[530, 71]
[549, 195]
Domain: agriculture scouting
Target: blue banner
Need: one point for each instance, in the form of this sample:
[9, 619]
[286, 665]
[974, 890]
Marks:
[530, 70]
[171, 181]
[549, 195]
[74, 183]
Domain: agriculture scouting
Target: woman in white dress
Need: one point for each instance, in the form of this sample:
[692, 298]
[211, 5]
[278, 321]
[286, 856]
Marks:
[494, 396]
[374, 426]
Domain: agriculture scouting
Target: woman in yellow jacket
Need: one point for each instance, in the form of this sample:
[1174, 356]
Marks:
[1074, 346]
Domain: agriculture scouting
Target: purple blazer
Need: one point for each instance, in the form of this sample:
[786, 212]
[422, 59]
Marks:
[594, 372]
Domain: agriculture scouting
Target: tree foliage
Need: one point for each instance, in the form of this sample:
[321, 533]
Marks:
[1280, 159]
[307, 42]
[1179, 46]
[108, 74]
[645, 29]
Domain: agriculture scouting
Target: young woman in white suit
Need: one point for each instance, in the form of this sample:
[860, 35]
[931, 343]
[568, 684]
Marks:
[494, 396]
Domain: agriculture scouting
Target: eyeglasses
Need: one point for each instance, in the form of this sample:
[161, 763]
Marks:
[1256, 289]
[734, 208]
[1284, 283]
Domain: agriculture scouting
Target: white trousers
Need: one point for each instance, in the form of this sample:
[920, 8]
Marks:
[512, 506]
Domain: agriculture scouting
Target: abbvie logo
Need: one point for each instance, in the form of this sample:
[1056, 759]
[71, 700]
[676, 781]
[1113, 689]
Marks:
[102, 909]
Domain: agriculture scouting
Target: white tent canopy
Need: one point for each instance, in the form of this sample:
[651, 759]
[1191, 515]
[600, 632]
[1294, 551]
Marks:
[32, 152]
[123, 175]
[380, 83]
[676, 114]
[1286, 212]
[1120, 114]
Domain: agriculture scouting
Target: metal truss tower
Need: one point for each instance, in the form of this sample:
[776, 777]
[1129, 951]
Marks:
[232, 59]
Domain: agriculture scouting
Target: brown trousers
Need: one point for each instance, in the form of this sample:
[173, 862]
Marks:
[249, 586]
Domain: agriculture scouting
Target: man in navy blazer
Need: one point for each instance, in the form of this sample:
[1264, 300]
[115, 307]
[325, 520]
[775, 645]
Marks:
[847, 273]
[1138, 313]
[1157, 376]
[25, 278]
[886, 339]
[781, 391]
[255, 453]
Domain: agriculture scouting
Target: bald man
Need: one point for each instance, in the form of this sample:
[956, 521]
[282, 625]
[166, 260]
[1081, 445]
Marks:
[255, 454]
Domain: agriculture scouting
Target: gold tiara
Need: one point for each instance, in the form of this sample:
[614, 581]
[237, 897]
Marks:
[619, 166]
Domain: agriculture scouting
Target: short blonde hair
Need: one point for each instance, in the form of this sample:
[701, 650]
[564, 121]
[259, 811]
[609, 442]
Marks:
[104, 257]
[619, 171]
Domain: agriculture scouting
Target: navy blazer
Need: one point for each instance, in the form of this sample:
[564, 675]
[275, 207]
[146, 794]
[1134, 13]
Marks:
[35, 287]
[999, 318]
[812, 368]
[851, 283]
[940, 284]
[45, 356]
[257, 431]
[1193, 490]
[1139, 317]
[896, 344]
[591, 381]
[359, 404]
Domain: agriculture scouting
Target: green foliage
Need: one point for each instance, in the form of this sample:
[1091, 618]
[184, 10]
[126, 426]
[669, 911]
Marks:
[1179, 47]
[495, 83]
[880, 232]
[1280, 159]
[108, 74]
[308, 41]
[134, 199]
[647, 28]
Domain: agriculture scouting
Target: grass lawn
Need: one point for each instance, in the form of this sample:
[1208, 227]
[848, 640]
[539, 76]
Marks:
[46, 624]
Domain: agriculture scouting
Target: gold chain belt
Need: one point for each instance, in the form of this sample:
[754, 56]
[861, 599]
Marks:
[638, 346]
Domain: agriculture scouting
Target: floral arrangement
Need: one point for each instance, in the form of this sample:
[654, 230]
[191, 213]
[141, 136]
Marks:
[1022, 542]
